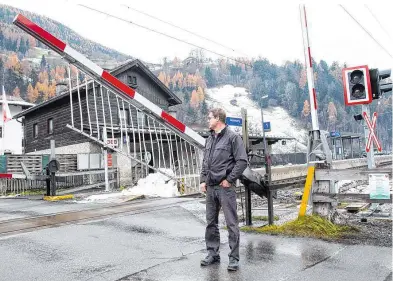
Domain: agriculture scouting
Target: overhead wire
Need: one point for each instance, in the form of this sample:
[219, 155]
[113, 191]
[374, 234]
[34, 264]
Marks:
[368, 33]
[374, 16]
[163, 34]
[181, 28]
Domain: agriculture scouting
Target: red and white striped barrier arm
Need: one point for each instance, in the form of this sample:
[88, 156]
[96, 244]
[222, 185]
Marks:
[103, 76]
[12, 176]
[310, 72]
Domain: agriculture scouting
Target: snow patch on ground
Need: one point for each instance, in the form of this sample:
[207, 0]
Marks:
[154, 185]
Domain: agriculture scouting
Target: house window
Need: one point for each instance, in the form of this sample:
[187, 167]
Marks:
[50, 126]
[35, 130]
[131, 80]
[141, 119]
[124, 117]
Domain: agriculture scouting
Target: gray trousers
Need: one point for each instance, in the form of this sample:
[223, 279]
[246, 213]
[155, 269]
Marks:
[217, 197]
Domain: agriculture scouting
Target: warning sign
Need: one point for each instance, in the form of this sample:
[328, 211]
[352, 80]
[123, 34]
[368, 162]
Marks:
[379, 186]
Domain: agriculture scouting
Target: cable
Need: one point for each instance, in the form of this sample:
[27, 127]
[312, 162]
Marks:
[183, 29]
[161, 33]
[387, 33]
[369, 34]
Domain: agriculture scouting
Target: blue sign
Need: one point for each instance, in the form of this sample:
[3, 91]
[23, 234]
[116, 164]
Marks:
[335, 134]
[233, 121]
[267, 127]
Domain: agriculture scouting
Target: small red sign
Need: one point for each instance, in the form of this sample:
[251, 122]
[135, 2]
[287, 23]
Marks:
[110, 160]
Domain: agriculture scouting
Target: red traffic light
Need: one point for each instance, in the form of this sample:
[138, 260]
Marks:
[357, 85]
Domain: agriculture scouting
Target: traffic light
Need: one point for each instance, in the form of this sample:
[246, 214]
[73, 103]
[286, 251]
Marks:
[377, 88]
[387, 86]
[357, 85]
[374, 78]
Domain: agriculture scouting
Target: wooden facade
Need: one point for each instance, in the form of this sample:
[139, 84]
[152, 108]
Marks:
[49, 120]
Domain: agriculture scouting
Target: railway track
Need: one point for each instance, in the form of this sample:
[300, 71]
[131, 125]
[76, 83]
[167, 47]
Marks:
[296, 181]
[33, 223]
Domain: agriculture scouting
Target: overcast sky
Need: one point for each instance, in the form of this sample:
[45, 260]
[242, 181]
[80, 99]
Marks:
[249, 27]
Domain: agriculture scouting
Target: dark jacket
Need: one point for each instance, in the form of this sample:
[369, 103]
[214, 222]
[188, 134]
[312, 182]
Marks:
[224, 158]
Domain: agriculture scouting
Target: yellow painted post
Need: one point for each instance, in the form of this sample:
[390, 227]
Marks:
[307, 189]
[182, 187]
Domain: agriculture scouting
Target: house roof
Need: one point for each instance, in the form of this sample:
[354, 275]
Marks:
[173, 99]
[12, 100]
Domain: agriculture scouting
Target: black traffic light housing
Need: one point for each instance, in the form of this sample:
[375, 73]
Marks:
[358, 117]
[377, 88]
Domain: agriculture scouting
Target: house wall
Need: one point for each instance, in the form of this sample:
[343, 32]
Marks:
[12, 132]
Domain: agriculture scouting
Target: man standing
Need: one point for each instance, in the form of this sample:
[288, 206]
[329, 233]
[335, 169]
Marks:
[224, 161]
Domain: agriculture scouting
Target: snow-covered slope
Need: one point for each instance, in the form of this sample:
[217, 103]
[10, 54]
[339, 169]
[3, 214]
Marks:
[232, 99]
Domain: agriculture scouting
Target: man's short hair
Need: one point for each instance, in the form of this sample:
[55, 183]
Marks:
[219, 113]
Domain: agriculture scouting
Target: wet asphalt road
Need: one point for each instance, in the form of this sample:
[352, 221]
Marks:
[166, 243]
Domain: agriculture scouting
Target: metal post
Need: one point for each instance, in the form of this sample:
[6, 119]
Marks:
[247, 191]
[342, 148]
[334, 149]
[268, 174]
[351, 148]
[3, 124]
[104, 135]
[370, 154]
[52, 174]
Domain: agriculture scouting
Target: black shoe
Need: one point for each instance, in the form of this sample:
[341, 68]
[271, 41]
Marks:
[210, 260]
[233, 264]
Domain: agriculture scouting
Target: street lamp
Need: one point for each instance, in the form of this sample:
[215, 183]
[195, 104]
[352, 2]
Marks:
[263, 132]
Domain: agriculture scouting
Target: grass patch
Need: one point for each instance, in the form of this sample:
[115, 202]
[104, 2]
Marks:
[264, 218]
[29, 192]
[307, 226]
[33, 192]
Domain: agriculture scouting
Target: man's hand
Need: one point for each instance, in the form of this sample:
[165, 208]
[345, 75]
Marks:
[225, 184]
[203, 187]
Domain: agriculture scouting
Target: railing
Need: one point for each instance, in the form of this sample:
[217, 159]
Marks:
[65, 182]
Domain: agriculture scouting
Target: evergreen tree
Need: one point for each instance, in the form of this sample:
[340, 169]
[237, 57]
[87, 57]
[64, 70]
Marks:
[210, 81]
[43, 63]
